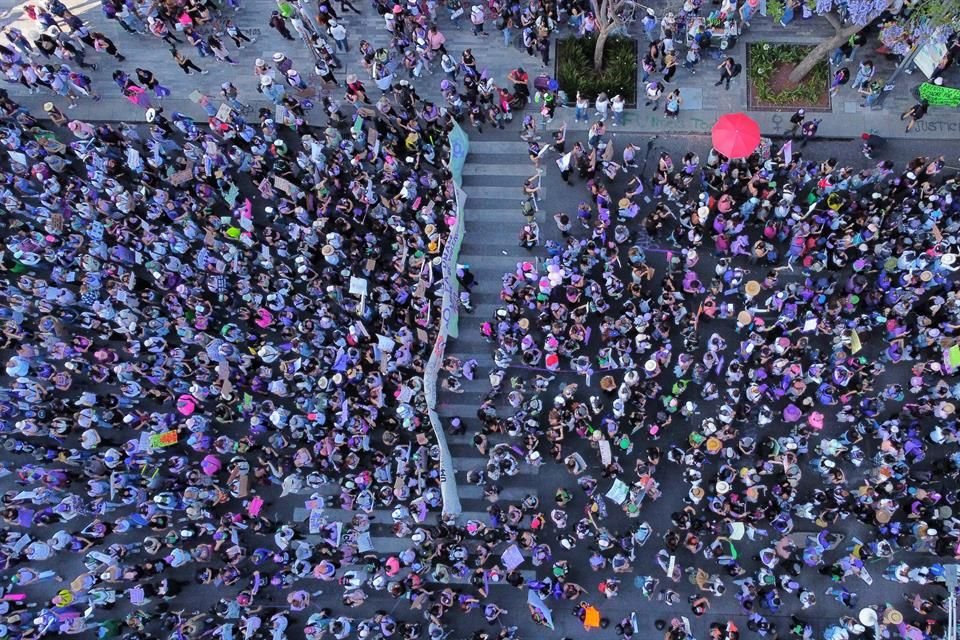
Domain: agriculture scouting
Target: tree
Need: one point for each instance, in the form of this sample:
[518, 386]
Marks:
[935, 19]
[609, 19]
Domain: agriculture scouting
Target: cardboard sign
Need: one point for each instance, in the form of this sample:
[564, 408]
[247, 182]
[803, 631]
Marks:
[512, 558]
[224, 113]
[855, 345]
[358, 286]
[618, 492]
[606, 456]
[954, 355]
[284, 185]
[165, 439]
[181, 177]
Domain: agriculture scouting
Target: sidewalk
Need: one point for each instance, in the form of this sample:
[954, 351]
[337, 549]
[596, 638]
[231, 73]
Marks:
[703, 102]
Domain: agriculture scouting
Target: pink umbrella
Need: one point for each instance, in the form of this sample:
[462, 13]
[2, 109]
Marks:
[736, 135]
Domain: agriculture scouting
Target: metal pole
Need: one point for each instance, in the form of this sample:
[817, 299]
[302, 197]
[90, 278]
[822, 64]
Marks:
[891, 81]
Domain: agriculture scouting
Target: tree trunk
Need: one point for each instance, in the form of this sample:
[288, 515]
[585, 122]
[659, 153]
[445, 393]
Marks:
[824, 49]
[598, 49]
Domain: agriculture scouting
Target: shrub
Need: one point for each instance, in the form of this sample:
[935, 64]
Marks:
[619, 75]
[775, 9]
[765, 58]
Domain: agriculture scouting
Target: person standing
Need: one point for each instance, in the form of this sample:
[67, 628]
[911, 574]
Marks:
[278, 23]
[616, 107]
[543, 46]
[103, 43]
[729, 69]
[669, 66]
[672, 107]
[339, 34]
[581, 107]
[808, 131]
[237, 35]
[149, 80]
[649, 24]
[477, 18]
[796, 122]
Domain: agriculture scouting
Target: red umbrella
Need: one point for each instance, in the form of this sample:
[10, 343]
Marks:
[736, 135]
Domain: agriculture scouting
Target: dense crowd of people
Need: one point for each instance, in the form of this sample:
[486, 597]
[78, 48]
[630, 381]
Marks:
[203, 318]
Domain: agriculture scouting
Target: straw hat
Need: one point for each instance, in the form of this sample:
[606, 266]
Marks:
[650, 366]
[892, 616]
[607, 383]
[524, 323]
[623, 204]
[744, 317]
[278, 57]
[752, 288]
[48, 107]
[949, 408]
[714, 445]
[697, 493]
[883, 517]
[327, 250]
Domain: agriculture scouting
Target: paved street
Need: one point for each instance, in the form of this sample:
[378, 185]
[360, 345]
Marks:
[703, 102]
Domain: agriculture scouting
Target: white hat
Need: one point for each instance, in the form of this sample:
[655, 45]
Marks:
[948, 259]
[277, 57]
[151, 114]
[266, 81]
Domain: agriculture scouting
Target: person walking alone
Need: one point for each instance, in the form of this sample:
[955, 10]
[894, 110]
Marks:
[278, 23]
[185, 63]
[916, 112]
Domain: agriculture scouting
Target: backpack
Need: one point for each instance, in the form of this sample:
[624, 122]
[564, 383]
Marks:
[737, 68]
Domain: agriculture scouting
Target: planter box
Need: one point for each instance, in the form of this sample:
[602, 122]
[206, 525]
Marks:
[770, 63]
[573, 68]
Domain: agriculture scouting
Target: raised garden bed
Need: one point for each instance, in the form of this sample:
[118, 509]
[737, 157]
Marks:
[768, 84]
[574, 68]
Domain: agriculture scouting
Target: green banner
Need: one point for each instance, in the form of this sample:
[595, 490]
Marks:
[940, 96]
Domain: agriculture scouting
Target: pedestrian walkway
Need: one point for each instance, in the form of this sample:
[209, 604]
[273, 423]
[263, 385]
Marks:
[703, 102]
